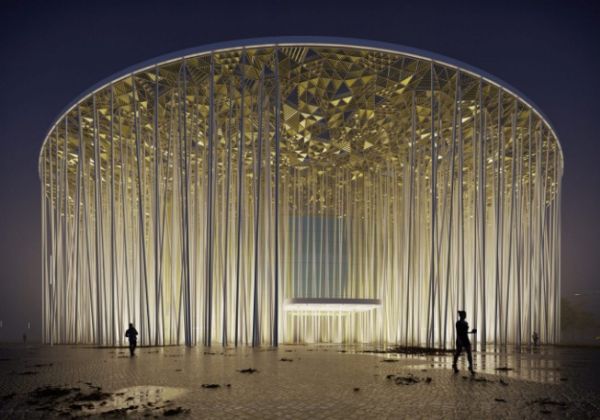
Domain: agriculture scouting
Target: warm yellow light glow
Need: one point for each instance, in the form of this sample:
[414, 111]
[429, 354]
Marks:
[330, 305]
[231, 195]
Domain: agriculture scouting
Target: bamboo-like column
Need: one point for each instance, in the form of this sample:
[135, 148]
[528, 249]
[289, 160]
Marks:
[196, 196]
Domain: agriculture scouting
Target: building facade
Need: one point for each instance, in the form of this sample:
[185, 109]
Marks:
[300, 190]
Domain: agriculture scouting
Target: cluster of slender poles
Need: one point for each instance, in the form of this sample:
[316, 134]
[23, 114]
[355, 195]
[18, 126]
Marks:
[193, 197]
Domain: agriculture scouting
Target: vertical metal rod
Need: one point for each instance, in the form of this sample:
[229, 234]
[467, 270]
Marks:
[482, 211]
[156, 200]
[412, 152]
[255, 312]
[432, 263]
[511, 218]
[451, 212]
[210, 205]
[141, 212]
[98, 224]
[113, 251]
[240, 175]
[86, 222]
[185, 218]
[227, 212]
[275, 339]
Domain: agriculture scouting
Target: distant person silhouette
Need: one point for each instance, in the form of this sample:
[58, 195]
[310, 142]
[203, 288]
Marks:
[131, 334]
[536, 339]
[24, 338]
[462, 341]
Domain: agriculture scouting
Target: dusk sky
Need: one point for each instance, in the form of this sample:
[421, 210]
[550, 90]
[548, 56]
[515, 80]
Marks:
[53, 51]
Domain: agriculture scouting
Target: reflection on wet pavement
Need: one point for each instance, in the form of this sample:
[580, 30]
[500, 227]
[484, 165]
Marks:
[301, 381]
[89, 399]
[538, 364]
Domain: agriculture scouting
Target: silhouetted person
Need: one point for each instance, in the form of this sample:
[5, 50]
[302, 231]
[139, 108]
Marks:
[24, 338]
[462, 341]
[536, 339]
[131, 334]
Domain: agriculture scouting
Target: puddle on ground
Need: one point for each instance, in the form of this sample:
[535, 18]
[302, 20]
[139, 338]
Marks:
[145, 393]
[510, 365]
[89, 400]
[138, 398]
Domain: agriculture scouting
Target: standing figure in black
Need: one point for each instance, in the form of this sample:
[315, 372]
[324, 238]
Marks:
[131, 334]
[462, 341]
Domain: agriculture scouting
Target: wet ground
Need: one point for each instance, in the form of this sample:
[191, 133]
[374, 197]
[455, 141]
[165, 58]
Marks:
[295, 382]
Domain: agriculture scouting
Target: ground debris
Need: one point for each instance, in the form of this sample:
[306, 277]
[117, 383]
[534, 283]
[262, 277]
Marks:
[52, 392]
[283, 359]
[175, 411]
[211, 386]
[8, 396]
[248, 370]
[406, 380]
[95, 395]
[47, 398]
[500, 400]
[503, 369]
[39, 365]
[117, 412]
[410, 379]
[27, 373]
[549, 402]
[42, 407]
